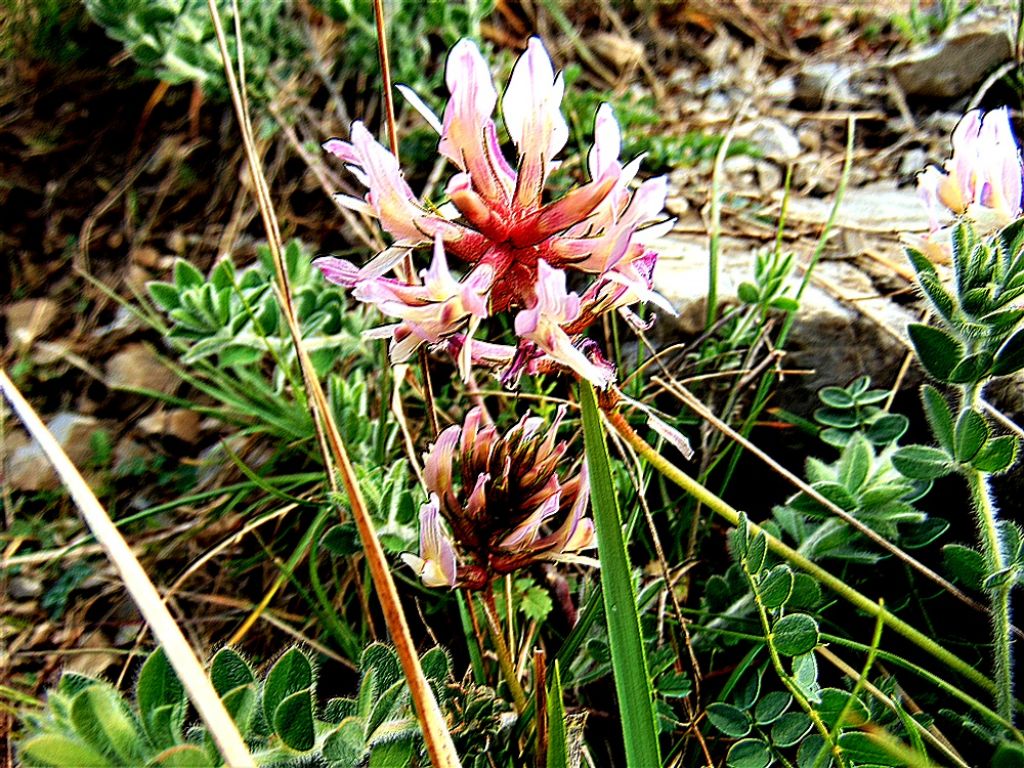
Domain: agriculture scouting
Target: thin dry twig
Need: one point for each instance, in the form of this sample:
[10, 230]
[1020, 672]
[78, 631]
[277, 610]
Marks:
[698, 407]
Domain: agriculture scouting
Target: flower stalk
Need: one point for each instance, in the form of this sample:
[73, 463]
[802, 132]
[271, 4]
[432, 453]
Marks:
[999, 593]
[502, 651]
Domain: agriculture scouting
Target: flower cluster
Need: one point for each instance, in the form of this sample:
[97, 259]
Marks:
[511, 509]
[982, 179]
[516, 248]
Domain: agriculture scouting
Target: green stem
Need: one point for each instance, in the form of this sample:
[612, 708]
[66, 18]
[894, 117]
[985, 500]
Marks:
[837, 585]
[508, 667]
[995, 560]
[830, 742]
[715, 228]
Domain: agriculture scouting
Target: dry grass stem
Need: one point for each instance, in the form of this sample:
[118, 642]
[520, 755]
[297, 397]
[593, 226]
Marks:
[438, 741]
[179, 653]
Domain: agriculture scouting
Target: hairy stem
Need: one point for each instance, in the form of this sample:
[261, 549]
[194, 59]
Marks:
[995, 562]
[787, 680]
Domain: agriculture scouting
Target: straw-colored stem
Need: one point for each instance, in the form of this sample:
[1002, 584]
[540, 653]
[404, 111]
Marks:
[179, 653]
[440, 747]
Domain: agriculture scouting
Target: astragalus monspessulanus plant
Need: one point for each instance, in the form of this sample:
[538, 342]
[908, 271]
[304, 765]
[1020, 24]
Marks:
[977, 336]
[513, 251]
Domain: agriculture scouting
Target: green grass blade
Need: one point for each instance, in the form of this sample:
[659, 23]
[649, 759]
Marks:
[629, 662]
[558, 742]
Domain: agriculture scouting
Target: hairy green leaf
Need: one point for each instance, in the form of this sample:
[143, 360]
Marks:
[290, 675]
[940, 418]
[771, 706]
[795, 634]
[293, 721]
[921, 462]
[749, 753]
[730, 720]
[1010, 357]
[776, 586]
[971, 435]
[789, 729]
[161, 701]
[938, 352]
[229, 670]
[998, 455]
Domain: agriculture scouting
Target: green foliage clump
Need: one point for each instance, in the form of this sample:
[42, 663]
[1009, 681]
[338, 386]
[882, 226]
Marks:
[175, 41]
[41, 30]
[280, 716]
[922, 26]
[234, 316]
[419, 31]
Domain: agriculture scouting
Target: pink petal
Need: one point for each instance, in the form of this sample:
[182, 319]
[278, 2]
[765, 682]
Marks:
[436, 566]
[420, 106]
[468, 136]
[531, 107]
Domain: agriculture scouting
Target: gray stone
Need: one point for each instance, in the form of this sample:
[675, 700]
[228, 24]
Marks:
[782, 89]
[181, 423]
[825, 82]
[844, 328]
[24, 588]
[775, 139]
[951, 67]
[882, 208]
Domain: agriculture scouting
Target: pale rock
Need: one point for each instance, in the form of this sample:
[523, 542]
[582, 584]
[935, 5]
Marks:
[913, 162]
[825, 82]
[148, 257]
[773, 138]
[809, 138]
[137, 367]
[769, 176]
[740, 165]
[137, 278]
[99, 658]
[782, 89]
[24, 588]
[951, 67]
[28, 469]
[880, 207]
[125, 322]
[29, 319]
[181, 423]
[624, 54]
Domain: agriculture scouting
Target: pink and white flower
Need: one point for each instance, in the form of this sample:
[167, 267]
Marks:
[504, 500]
[435, 564]
[982, 179]
[514, 246]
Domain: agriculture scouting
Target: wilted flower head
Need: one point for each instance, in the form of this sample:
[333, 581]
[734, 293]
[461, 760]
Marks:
[515, 246]
[503, 500]
[983, 177]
